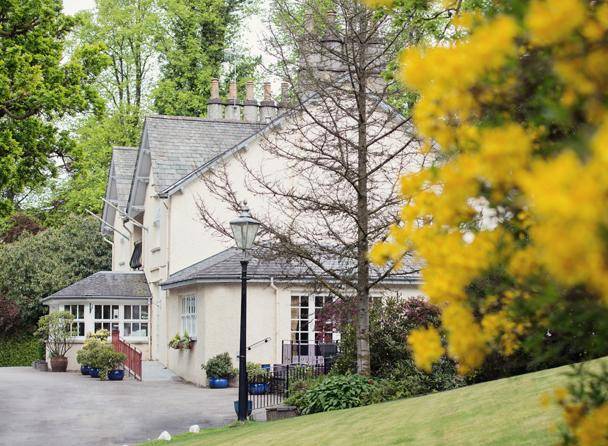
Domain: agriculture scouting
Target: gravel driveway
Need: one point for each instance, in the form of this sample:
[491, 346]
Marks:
[40, 408]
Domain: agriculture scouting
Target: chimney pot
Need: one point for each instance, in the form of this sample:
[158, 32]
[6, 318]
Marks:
[251, 108]
[249, 91]
[232, 91]
[267, 92]
[214, 105]
[233, 107]
[268, 108]
[215, 89]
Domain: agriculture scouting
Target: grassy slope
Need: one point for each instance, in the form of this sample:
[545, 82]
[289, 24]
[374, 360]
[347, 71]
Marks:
[502, 412]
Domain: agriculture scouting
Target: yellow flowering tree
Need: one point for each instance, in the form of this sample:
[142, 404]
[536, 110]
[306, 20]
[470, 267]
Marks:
[511, 223]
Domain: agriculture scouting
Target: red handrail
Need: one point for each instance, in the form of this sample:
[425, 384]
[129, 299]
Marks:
[133, 361]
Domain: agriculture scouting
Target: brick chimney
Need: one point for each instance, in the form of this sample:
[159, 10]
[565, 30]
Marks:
[268, 108]
[285, 101]
[233, 106]
[251, 107]
[214, 104]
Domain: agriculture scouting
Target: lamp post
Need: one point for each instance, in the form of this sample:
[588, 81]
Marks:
[244, 229]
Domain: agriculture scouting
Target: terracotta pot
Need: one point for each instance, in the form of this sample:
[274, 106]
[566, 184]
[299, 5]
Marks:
[59, 364]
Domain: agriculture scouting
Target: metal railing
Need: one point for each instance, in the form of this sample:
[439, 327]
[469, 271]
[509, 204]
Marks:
[272, 387]
[133, 361]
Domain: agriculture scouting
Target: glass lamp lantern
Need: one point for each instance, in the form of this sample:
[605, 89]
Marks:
[244, 228]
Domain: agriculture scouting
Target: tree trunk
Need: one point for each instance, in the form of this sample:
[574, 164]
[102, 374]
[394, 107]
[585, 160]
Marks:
[363, 354]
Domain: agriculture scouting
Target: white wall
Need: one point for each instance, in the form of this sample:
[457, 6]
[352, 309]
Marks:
[218, 323]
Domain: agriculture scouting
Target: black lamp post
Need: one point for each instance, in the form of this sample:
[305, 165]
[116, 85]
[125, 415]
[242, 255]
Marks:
[244, 228]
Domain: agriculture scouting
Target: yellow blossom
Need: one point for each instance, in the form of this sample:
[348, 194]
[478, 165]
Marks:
[426, 346]
[552, 21]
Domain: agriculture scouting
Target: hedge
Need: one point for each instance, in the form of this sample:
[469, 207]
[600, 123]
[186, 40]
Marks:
[20, 350]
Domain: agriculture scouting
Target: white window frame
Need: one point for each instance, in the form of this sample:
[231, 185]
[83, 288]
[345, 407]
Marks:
[188, 315]
[79, 318]
[107, 323]
[132, 321]
[296, 318]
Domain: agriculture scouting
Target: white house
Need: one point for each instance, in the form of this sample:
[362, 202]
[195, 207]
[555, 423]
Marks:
[172, 275]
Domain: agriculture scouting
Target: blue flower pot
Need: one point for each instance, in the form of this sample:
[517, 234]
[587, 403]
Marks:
[116, 375]
[249, 407]
[218, 383]
[93, 372]
[258, 388]
[84, 369]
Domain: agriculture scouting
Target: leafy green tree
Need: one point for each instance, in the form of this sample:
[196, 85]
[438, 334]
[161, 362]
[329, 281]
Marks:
[198, 34]
[36, 266]
[88, 170]
[39, 84]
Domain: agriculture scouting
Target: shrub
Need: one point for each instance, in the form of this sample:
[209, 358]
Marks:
[220, 366]
[102, 356]
[93, 341]
[55, 330]
[10, 317]
[335, 392]
[255, 372]
[20, 350]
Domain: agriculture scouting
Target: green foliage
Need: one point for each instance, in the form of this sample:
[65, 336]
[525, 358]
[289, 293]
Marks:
[255, 372]
[90, 161]
[20, 350]
[55, 329]
[335, 392]
[220, 366]
[390, 322]
[193, 50]
[93, 342]
[36, 266]
[102, 356]
[175, 341]
[39, 84]
[587, 393]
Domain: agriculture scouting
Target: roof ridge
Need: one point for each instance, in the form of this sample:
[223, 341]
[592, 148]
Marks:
[201, 119]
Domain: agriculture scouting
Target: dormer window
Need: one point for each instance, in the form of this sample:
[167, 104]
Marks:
[135, 262]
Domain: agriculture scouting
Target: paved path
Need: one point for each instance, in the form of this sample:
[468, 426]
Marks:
[65, 409]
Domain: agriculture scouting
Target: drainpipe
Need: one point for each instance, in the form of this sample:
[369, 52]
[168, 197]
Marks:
[276, 317]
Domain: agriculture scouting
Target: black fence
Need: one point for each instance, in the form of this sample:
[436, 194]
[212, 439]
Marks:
[272, 387]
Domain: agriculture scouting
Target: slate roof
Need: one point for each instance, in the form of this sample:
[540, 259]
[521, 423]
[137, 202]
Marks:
[178, 145]
[123, 160]
[106, 285]
[225, 267]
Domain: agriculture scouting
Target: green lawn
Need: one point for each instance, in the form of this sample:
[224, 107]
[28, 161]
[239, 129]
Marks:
[502, 412]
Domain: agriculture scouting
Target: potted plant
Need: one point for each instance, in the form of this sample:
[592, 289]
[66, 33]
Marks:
[106, 363]
[175, 342]
[219, 369]
[186, 341]
[83, 356]
[114, 366]
[257, 379]
[55, 329]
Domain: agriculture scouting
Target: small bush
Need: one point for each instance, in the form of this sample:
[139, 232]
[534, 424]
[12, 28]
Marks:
[335, 392]
[20, 350]
[102, 356]
[220, 366]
